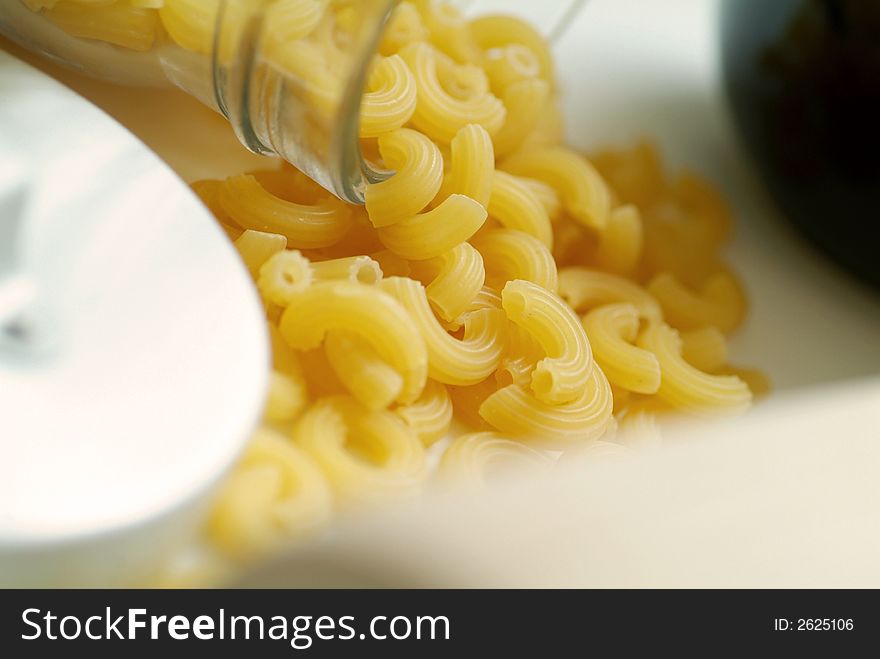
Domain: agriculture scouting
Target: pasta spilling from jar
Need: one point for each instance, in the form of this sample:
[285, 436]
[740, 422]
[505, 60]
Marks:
[501, 298]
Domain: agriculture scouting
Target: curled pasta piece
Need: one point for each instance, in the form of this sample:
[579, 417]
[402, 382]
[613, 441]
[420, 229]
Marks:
[464, 361]
[404, 26]
[257, 247]
[367, 311]
[704, 348]
[562, 375]
[419, 174]
[431, 415]
[525, 101]
[283, 276]
[686, 388]
[486, 298]
[452, 280]
[547, 195]
[370, 379]
[509, 65]
[515, 205]
[390, 100]
[291, 20]
[191, 23]
[208, 192]
[473, 460]
[497, 31]
[513, 410]
[276, 491]
[366, 455]
[435, 232]
[585, 289]
[584, 193]
[360, 269]
[721, 302]
[439, 115]
[473, 164]
[449, 30]
[612, 330]
[520, 358]
[620, 245]
[510, 255]
[120, 23]
[306, 226]
[286, 398]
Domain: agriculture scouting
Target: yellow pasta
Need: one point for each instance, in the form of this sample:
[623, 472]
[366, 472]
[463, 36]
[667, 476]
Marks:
[497, 31]
[283, 276]
[562, 375]
[584, 193]
[256, 247]
[391, 264]
[369, 378]
[119, 23]
[704, 348]
[306, 226]
[509, 65]
[464, 361]
[510, 255]
[435, 232]
[404, 26]
[361, 269]
[367, 311]
[516, 412]
[430, 417]
[516, 206]
[390, 100]
[521, 356]
[612, 330]
[525, 102]
[439, 114]
[548, 197]
[473, 460]
[419, 174]
[366, 455]
[286, 398]
[191, 23]
[473, 165]
[452, 280]
[620, 245]
[449, 30]
[721, 302]
[686, 388]
[585, 289]
[276, 491]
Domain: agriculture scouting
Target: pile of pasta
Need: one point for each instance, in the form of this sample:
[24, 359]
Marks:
[500, 300]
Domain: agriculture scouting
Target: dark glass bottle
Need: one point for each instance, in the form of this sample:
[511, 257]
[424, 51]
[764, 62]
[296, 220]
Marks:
[803, 78]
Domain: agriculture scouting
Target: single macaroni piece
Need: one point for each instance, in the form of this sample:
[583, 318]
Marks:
[509, 65]
[369, 378]
[419, 174]
[404, 27]
[366, 455]
[584, 193]
[612, 330]
[306, 226]
[430, 417]
[292, 20]
[449, 30]
[585, 289]
[473, 460]
[547, 195]
[513, 410]
[435, 232]
[283, 276]
[686, 388]
[497, 31]
[562, 375]
[461, 362]
[191, 23]
[509, 255]
[452, 280]
[439, 114]
[276, 491]
[721, 302]
[367, 311]
[525, 102]
[286, 398]
[257, 247]
[360, 269]
[620, 245]
[390, 100]
[473, 164]
[516, 206]
[704, 348]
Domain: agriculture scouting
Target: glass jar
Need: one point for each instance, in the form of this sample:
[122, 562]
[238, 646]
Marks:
[287, 74]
